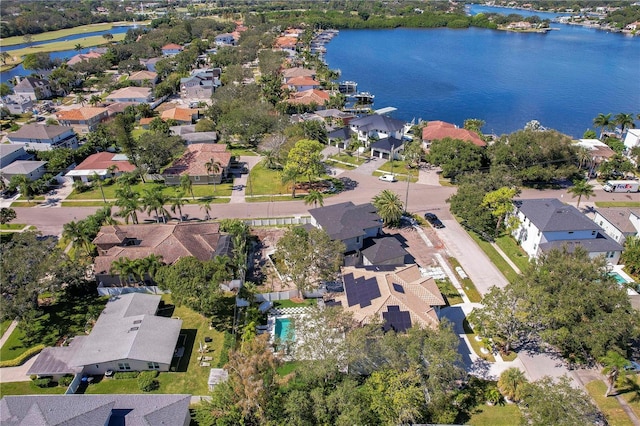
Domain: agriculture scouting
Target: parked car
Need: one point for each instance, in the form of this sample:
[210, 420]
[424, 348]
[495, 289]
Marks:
[632, 367]
[388, 178]
[433, 220]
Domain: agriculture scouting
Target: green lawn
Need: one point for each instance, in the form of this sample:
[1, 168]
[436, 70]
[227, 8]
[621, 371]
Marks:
[199, 191]
[495, 257]
[28, 388]
[265, 181]
[292, 304]
[136, 133]
[608, 405]
[346, 158]
[4, 325]
[268, 198]
[13, 346]
[476, 345]
[617, 203]
[496, 415]
[469, 289]
[450, 293]
[289, 367]
[511, 248]
[12, 226]
[51, 35]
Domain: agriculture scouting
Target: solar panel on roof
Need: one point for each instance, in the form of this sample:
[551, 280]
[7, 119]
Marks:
[398, 288]
[396, 320]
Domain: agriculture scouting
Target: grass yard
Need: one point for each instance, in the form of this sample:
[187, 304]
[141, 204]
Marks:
[608, 405]
[292, 304]
[242, 151]
[269, 198]
[4, 325]
[618, 204]
[199, 191]
[28, 388]
[346, 158]
[469, 289]
[496, 415]
[13, 346]
[12, 226]
[450, 293]
[495, 257]
[513, 251]
[289, 367]
[263, 181]
[476, 345]
[51, 35]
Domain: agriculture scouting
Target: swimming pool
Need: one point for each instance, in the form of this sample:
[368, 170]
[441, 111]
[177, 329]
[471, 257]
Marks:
[284, 329]
[618, 277]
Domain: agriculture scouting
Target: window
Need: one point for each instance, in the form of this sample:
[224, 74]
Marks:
[570, 232]
[196, 178]
[153, 366]
[593, 232]
[124, 366]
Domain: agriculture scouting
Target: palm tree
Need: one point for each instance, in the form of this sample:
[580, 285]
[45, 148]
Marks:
[153, 200]
[613, 364]
[77, 233]
[177, 202]
[625, 121]
[24, 186]
[389, 207]
[128, 202]
[206, 206]
[512, 383]
[186, 185]
[291, 176]
[98, 181]
[314, 197]
[581, 188]
[78, 47]
[80, 99]
[154, 263]
[213, 167]
[603, 121]
[94, 100]
[123, 267]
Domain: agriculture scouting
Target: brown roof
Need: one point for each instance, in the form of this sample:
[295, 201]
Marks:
[172, 46]
[418, 295]
[143, 75]
[288, 42]
[436, 130]
[83, 113]
[171, 241]
[130, 93]
[196, 156]
[307, 97]
[302, 81]
[298, 72]
[103, 160]
[179, 114]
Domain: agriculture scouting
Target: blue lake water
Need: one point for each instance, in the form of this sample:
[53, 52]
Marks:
[114, 30]
[563, 78]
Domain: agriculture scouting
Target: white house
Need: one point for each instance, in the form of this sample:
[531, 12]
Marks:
[377, 127]
[619, 222]
[547, 223]
[632, 139]
[348, 223]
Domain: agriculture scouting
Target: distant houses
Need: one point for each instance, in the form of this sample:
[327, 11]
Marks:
[33, 88]
[204, 163]
[438, 130]
[101, 164]
[171, 49]
[83, 119]
[43, 137]
[134, 95]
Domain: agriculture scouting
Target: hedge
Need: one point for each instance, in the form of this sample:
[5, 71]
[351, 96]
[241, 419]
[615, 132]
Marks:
[147, 381]
[22, 358]
[126, 375]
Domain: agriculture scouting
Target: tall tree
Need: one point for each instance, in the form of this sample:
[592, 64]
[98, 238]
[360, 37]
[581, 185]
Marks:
[631, 254]
[305, 159]
[177, 202]
[500, 202]
[389, 207]
[602, 121]
[186, 185]
[128, 202]
[625, 121]
[455, 156]
[581, 188]
[153, 200]
[7, 215]
[512, 383]
[314, 197]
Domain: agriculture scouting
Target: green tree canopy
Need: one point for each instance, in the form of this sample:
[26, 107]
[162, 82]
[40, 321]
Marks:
[456, 156]
[305, 159]
[389, 207]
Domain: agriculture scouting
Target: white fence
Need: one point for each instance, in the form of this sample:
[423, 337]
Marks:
[73, 387]
[116, 291]
[279, 221]
[288, 294]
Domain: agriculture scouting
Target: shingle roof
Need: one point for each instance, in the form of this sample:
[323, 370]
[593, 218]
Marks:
[7, 149]
[143, 75]
[196, 156]
[437, 130]
[22, 167]
[551, 215]
[384, 249]
[619, 217]
[346, 220]
[131, 92]
[82, 410]
[343, 133]
[38, 131]
[377, 122]
[83, 113]
[385, 144]
[56, 360]
[601, 244]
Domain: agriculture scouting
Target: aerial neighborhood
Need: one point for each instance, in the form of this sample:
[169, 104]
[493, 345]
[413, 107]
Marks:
[202, 223]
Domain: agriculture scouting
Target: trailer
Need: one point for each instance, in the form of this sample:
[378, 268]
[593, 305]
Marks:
[622, 186]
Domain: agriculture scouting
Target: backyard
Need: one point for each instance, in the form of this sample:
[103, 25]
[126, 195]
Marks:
[199, 191]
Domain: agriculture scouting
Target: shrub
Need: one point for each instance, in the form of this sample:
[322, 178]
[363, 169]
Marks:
[22, 358]
[227, 344]
[147, 381]
[65, 380]
[44, 382]
[126, 374]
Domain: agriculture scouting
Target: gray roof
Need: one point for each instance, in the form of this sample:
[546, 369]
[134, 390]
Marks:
[182, 130]
[7, 149]
[619, 217]
[551, 215]
[38, 131]
[343, 133]
[386, 144]
[377, 122]
[383, 250]
[22, 167]
[200, 137]
[346, 220]
[82, 410]
[129, 329]
[56, 360]
[30, 83]
[601, 244]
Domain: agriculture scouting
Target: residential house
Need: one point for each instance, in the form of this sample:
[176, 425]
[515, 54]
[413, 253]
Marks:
[80, 410]
[309, 97]
[200, 137]
[182, 130]
[286, 44]
[144, 78]
[33, 88]
[632, 139]
[102, 164]
[520, 25]
[290, 73]
[82, 57]
[340, 137]
[83, 119]
[547, 223]
[619, 222]
[599, 152]
[135, 95]
[300, 84]
[169, 241]
[43, 137]
[387, 148]
[180, 115]
[196, 163]
[171, 49]
[400, 297]
[384, 251]
[201, 84]
[438, 130]
[334, 116]
[32, 170]
[18, 104]
[348, 223]
[10, 153]
[150, 64]
[226, 39]
[376, 127]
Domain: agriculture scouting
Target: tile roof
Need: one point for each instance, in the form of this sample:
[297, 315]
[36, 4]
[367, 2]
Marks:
[143, 75]
[81, 57]
[402, 286]
[437, 130]
[311, 96]
[298, 72]
[82, 410]
[302, 81]
[38, 131]
[171, 241]
[172, 46]
[346, 220]
[179, 114]
[196, 156]
[130, 92]
[552, 215]
[285, 42]
[104, 160]
[82, 113]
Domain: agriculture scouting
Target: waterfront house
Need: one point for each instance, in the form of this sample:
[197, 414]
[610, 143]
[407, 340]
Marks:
[309, 97]
[32, 170]
[171, 49]
[102, 164]
[43, 137]
[632, 139]
[348, 223]
[197, 161]
[111, 409]
[374, 127]
[438, 130]
[83, 57]
[171, 242]
[144, 78]
[399, 297]
[333, 117]
[619, 223]
[599, 152]
[287, 44]
[83, 119]
[547, 223]
[134, 95]
[18, 104]
[289, 73]
[300, 84]
[33, 88]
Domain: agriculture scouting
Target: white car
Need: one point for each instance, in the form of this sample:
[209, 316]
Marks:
[388, 178]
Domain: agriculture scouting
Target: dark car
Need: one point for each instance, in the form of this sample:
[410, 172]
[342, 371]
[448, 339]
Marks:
[433, 220]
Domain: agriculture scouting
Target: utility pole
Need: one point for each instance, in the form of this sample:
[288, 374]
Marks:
[406, 197]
